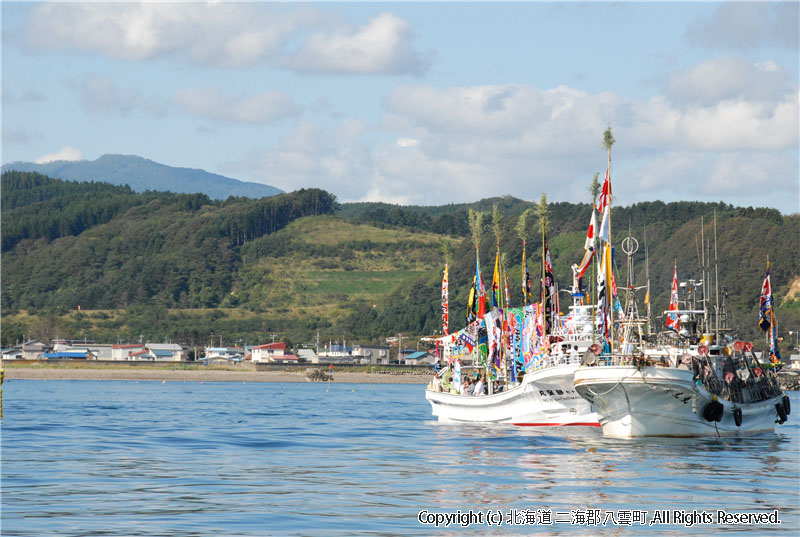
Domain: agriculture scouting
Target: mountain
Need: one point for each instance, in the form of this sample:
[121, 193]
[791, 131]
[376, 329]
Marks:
[142, 174]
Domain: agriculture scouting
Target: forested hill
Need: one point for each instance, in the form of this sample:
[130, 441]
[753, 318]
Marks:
[181, 266]
[672, 234]
[101, 246]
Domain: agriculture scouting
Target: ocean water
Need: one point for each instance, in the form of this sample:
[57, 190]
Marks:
[126, 458]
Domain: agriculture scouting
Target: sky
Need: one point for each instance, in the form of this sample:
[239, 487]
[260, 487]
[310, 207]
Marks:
[419, 103]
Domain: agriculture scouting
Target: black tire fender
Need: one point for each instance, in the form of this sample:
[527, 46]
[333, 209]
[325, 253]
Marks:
[713, 411]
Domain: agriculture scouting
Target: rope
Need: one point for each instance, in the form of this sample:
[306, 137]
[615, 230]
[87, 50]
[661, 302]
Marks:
[609, 391]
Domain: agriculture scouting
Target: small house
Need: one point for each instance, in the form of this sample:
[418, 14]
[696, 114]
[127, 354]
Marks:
[166, 352]
[268, 352]
[125, 352]
[419, 358]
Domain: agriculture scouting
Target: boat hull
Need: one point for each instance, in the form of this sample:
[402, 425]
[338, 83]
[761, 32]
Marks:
[546, 397]
[658, 401]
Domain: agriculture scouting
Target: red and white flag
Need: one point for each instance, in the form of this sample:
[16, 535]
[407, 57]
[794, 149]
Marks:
[605, 227]
[605, 194]
[591, 236]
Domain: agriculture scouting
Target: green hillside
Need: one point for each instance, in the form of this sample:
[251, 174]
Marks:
[187, 268]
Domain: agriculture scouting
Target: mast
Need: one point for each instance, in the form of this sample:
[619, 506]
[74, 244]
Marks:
[703, 273]
[593, 283]
[716, 283]
[498, 296]
[608, 141]
[543, 217]
[594, 189]
[475, 224]
[647, 277]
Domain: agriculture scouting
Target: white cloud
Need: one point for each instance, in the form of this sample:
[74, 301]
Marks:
[221, 34]
[19, 136]
[211, 103]
[740, 177]
[65, 153]
[407, 142]
[719, 79]
[217, 34]
[383, 45]
[746, 25]
[12, 96]
[100, 95]
[741, 125]
[439, 145]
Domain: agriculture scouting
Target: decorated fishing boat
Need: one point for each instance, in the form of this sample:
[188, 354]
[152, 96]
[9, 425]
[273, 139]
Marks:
[707, 394]
[544, 397]
[512, 365]
[695, 380]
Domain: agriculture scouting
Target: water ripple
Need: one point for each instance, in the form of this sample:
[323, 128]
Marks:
[229, 459]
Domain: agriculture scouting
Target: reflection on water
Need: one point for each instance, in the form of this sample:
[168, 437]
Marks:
[185, 459]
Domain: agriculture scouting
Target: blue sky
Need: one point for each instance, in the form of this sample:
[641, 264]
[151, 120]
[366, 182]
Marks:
[419, 103]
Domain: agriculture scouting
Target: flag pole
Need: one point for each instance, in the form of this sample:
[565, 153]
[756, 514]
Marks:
[608, 141]
[544, 269]
[524, 279]
[594, 285]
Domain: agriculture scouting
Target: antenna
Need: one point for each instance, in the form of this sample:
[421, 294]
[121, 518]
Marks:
[647, 277]
[716, 281]
[630, 246]
[703, 271]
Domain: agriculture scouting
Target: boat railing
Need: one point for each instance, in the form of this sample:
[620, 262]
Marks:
[554, 361]
[751, 386]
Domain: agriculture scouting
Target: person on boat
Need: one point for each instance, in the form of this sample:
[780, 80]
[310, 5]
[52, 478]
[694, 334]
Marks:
[563, 354]
[498, 387]
[467, 387]
[573, 355]
[437, 383]
[478, 388]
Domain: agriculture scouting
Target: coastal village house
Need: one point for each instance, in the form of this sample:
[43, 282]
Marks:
[419, 358]
[126, 352]
[31, 350]
[308, 355]
[370, 354]
[224, 355]
[155, 352]
[91, 351]
[272, 352]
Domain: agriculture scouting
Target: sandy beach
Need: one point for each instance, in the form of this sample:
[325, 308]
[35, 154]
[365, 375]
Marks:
[183, 375]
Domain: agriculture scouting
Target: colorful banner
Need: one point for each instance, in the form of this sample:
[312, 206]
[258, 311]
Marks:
[445, 313]
[548, 291]
[766, 321]
[672, 318]
[527, 293]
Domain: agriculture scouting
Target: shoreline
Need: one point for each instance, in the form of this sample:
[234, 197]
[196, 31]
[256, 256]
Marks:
[167, 375]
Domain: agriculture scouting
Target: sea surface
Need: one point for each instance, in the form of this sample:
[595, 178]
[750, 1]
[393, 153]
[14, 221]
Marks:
[127, 458]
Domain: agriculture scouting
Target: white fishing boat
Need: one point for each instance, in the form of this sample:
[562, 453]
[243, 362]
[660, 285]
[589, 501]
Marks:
[723, 395]
[687, 388]
[528, 354]
[545, 397]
